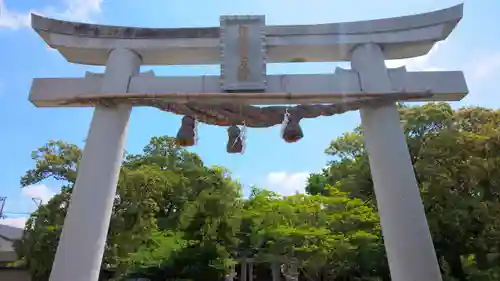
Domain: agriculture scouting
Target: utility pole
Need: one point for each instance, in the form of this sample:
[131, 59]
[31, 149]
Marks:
[2, 204]
[37, 201]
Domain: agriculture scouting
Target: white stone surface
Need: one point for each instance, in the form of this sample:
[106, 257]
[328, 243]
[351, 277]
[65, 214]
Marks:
[81, 246]
[315, 88]
[401, 37]
[407, 238]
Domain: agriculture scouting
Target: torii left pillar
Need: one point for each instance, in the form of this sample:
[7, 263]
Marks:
[81, 246]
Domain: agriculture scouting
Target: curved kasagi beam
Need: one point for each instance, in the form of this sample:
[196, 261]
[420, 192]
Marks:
[400, 37]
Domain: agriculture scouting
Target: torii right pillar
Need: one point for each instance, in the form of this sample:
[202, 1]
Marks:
[407, 238]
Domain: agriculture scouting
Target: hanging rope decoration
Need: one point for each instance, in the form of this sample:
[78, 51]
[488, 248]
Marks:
[236, 137]
[290, 128]
[285, 122]
[196, 136]
[235, 143]
[242, 136]
[257, 117]
[187, 133]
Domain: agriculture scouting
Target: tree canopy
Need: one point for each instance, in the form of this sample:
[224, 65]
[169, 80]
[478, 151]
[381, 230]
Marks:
[176, 218]
[456, 161]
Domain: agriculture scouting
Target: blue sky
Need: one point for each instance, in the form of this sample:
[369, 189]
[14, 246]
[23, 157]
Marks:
[474, 47]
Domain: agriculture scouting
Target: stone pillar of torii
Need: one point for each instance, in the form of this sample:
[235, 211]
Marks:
[243, 45]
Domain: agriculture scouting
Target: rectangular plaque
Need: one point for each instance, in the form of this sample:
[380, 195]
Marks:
[243, 53]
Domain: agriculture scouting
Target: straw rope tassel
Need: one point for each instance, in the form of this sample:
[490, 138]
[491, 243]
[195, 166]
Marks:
[195, 130]
[242, 137]
[285, 122]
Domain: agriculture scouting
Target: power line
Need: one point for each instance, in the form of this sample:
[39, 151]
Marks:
[38, 202]
[17, 213]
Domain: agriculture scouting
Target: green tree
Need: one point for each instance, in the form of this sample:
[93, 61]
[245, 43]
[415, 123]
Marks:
[329, 236]
[163, 194]
[174, 217]
[455, 157]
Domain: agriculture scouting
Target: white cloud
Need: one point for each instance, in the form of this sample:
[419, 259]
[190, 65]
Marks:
[484, 66]
[12, 19]
[422, 63]
[77, 10]
[38, 191]
[286, 183]
[81, 9]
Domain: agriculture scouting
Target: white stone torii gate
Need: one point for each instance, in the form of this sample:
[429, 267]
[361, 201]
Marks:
[366, 44]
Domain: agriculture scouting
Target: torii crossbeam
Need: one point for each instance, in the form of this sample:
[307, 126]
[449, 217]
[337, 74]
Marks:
[243, 45]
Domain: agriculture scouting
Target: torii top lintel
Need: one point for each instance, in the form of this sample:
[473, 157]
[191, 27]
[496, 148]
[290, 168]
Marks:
[400, 37]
